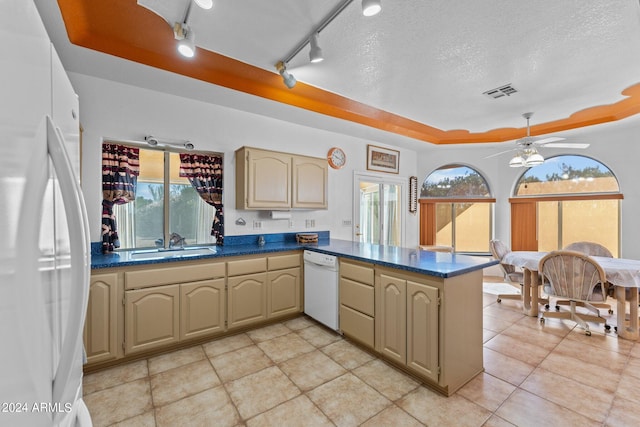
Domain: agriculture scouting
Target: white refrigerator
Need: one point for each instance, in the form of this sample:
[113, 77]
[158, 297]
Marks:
[44, 238]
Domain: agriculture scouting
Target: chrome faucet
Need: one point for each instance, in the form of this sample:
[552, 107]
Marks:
[176, 240]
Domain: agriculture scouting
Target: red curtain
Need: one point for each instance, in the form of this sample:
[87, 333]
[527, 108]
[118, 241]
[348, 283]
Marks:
[120, 170]
[205, 173]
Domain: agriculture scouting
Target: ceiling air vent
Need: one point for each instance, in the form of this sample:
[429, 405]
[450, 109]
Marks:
[501, 91]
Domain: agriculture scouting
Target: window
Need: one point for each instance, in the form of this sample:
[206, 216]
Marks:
[163, 197]
[456, 209]
[566, 199]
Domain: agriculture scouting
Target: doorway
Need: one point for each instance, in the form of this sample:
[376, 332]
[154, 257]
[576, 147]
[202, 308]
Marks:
[378, 214]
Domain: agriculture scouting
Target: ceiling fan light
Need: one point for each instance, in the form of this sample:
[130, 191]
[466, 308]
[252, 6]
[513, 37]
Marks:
[205, 4]
[516, 162]
[371, 7]
[534, 159]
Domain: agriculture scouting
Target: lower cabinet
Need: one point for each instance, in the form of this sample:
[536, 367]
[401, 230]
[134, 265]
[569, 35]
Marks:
[407, 323]
[247, 300]
[152, 318]
[101, 324]
[141, 309]
[284, 296]
[202, 308]
[430, 326]
[357, 307]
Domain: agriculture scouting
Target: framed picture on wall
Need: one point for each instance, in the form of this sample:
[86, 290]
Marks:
[383, 159]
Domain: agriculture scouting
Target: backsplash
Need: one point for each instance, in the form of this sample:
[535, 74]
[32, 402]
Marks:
[246, 239]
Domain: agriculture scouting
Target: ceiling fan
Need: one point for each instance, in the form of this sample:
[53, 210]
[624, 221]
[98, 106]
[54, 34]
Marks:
[526, 153]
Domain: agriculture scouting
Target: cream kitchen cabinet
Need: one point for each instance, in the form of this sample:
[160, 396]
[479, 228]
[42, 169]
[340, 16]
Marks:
[284, 296]
[247, 292]
[357, 301]
[101, 324]
[407, 323]
[166, 305]
[202, 308]
[309, 183]
[152, 318]
[274, 180]
[430, 326]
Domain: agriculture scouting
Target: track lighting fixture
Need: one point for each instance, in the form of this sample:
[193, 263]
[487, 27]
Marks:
[287, 78]
[154, 142]
[186, 37]
[315, 53]
[371, 7]
[205, 4]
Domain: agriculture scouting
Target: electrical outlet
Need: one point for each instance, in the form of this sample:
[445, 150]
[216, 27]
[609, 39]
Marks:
[346, 223]
[291, 224]
[310, 223]
[257, 225]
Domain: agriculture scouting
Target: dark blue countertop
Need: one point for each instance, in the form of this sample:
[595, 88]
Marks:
[437, 264]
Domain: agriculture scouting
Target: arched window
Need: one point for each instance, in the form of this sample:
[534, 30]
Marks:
[456, 209]
[566, 199]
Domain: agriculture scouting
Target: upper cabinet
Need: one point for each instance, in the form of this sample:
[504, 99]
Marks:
[274, 180]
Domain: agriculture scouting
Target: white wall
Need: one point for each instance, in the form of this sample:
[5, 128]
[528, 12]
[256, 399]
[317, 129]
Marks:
[613, 145]
[114, 110]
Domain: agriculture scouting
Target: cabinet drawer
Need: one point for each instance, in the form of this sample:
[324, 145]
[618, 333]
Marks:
[357, 272]
[357, 325]
[283, 261]
[168, 276]
[246, 266]
[357, 296]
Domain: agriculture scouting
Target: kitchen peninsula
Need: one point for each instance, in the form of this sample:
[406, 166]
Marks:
[420, 310]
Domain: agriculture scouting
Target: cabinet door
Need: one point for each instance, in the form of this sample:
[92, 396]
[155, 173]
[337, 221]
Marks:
[202, 308]
[100, 328]
[422, 329]
[268, 179]
[283, 292]
[247, 300]
[152, 318]
[309, 183]
[391, 316]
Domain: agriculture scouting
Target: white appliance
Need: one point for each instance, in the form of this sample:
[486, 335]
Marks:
[44, 246]
[321, 288]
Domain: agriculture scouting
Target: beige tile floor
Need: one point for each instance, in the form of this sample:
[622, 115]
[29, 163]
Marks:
[297, 373]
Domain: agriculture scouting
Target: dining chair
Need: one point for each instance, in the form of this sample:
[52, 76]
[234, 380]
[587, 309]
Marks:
[594, 249]
[589, 248]
[578, 278]
[499, 250]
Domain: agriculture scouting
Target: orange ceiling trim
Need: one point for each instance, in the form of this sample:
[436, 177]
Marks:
[124, 29]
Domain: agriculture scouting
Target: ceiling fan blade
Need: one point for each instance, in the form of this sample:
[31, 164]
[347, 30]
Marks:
[549, 139]
[500, 153]
[567, 145]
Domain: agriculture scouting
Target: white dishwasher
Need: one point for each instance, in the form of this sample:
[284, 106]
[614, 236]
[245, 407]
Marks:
[321, 288]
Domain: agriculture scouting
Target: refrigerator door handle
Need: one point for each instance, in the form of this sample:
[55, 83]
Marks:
[80, 262]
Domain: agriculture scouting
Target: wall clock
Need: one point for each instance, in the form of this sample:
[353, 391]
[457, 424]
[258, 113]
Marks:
[336, 158]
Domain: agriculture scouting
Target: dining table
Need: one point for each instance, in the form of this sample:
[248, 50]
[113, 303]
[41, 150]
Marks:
[622, 273]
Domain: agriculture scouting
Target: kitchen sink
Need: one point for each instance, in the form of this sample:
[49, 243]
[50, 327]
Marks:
[172, 253]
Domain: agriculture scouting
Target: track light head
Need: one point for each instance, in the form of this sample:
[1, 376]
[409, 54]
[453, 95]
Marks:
[186, 39]
[315, 53]
[288, 79]
[152, 141]
[204, 4]
[371, 7]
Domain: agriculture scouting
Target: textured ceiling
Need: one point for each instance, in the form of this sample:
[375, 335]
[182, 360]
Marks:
[417, 69]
